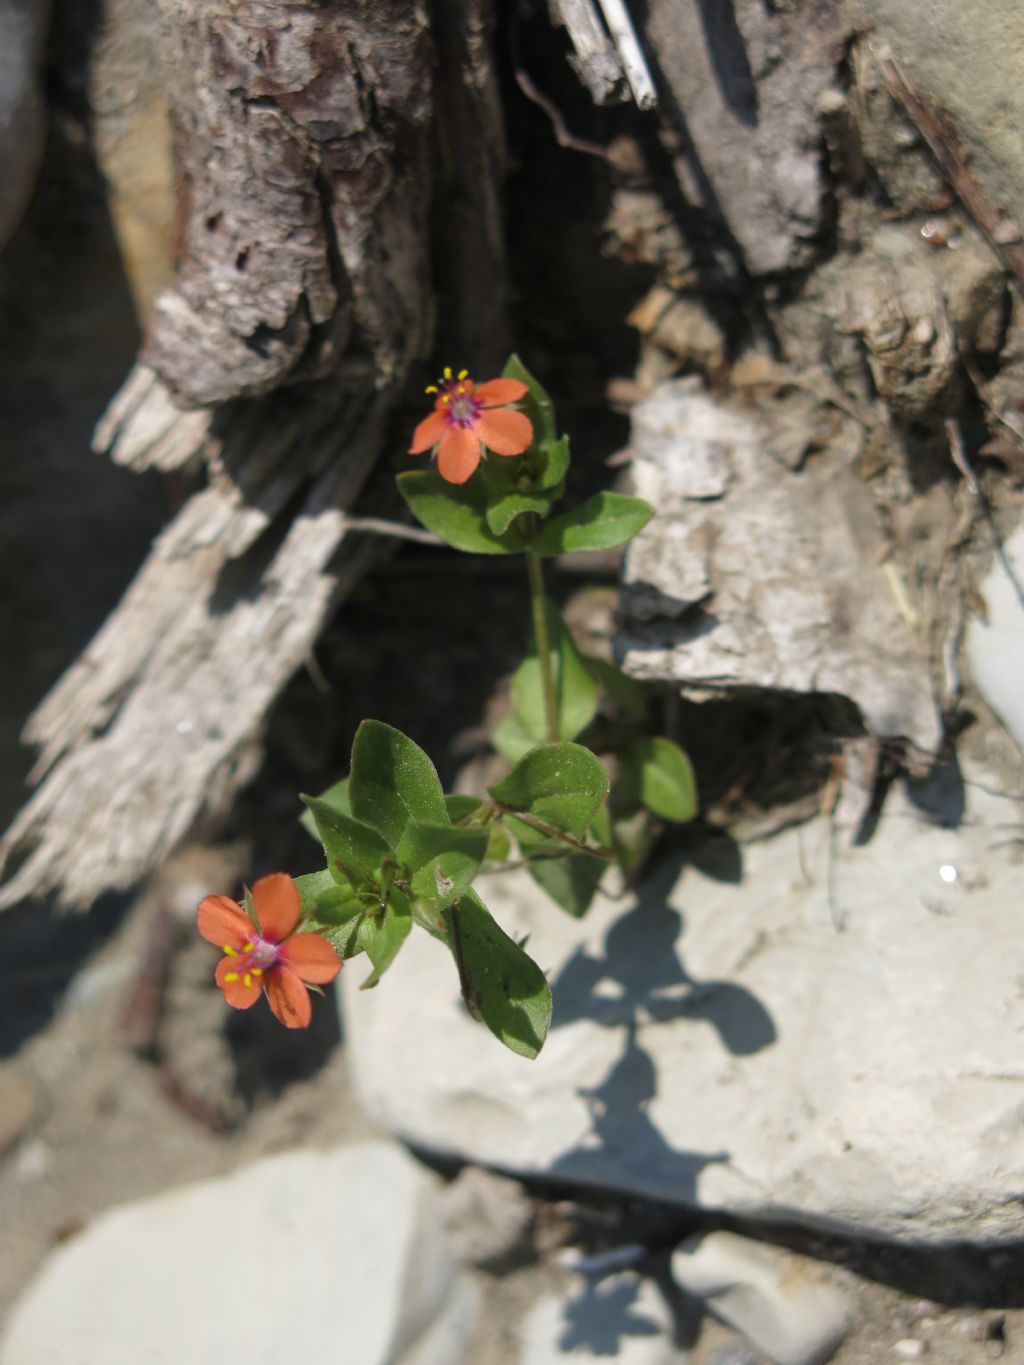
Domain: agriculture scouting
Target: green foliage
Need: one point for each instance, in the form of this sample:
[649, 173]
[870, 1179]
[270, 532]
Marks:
[443, 860]
[600, 523]
[664, 778]
[560, 784]
[455, 512]
[392, 782]
[501, 984]
[355, 851]
[380, 935]
[400, 852]
[575, 688]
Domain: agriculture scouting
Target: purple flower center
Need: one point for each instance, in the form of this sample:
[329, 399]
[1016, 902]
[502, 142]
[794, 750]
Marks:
[461, 407]
[263, 954]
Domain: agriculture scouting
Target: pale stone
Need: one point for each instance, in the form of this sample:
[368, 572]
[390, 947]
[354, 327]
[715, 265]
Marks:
[865, 1079]
[622, 1316]
[755, 576]
[332, 1256]
[780, 1302]
[995, 643]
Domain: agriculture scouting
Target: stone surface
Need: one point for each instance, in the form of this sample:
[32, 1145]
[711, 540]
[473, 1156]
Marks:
[621, 1316]
[22, 108]
[994, 643]
[328, 1255]
[19, 1104]
[485, 1215]
[967, 58]
[818, 614]
[724, 1044]
[746, 78]
[779, 1301]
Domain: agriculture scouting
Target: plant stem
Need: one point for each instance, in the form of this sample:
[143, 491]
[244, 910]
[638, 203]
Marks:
[540, 635]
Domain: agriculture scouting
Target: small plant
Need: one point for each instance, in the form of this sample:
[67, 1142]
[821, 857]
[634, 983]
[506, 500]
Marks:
[588, 780]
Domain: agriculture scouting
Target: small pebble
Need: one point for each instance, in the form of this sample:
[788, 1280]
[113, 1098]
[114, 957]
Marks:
[909, 1348]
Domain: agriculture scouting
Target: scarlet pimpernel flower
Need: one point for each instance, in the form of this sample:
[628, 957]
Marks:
[468, 417]
[263, 954]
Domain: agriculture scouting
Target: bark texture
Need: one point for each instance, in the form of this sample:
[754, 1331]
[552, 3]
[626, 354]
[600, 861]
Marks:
[306, 136]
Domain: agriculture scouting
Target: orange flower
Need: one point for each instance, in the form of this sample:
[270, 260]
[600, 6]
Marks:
[265, 954]
[468, 416]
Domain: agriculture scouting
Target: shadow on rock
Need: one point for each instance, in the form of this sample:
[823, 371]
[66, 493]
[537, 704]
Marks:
[601, 1314]
[641, 958]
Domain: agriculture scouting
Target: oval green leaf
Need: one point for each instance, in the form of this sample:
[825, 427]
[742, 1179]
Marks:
[560, 784]
[502, 984]
[600, 523]
[665, 778]
[454, 512]
[393, 781]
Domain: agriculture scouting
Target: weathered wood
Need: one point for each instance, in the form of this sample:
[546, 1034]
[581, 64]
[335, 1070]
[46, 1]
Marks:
[309, 137]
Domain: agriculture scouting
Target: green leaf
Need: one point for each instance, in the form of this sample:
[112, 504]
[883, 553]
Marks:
[459, 805]
[511, 738]
[353, 847]
[501, 983]
[456, 513]
[665, 777]
[336, 796]
[344, 938]
[575, 688]
[310, 886]
[443, 859]
[337, 906]
[552, 467]
[537, 405]
[393, 781]
[561, 784]
[381, 935]
[570, 879]
[628, 695]
[600, 523]
[502, 511]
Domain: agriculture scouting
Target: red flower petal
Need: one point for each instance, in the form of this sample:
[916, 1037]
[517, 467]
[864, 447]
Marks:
[277, 905]
[497, 391]
[428, 433]
[504, 431]
[459, 453]
[311, 958]
[238, 995]
[288, 998]
[222, 921]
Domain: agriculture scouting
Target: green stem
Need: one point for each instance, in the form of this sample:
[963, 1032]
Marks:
[540, 635]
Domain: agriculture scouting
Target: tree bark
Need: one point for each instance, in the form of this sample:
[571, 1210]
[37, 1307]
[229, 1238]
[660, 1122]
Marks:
[327, 191]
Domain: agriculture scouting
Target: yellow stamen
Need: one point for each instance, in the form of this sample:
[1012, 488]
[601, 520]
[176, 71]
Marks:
[431, 388]
[463, 374]
[257, 971]
[446, 398]
[247, 979]
[248, 947]
[447, 372]
[229, 950]
[230, 976]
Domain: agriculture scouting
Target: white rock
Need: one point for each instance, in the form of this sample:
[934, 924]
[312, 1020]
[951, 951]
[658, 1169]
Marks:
[623, 1317]
[780, 1302]
[725, 1046]
[817, 614]
[333, 1256]
[995, 646]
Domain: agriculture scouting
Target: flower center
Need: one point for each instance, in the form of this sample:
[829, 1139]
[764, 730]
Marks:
[455, 394]
[263, 954]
